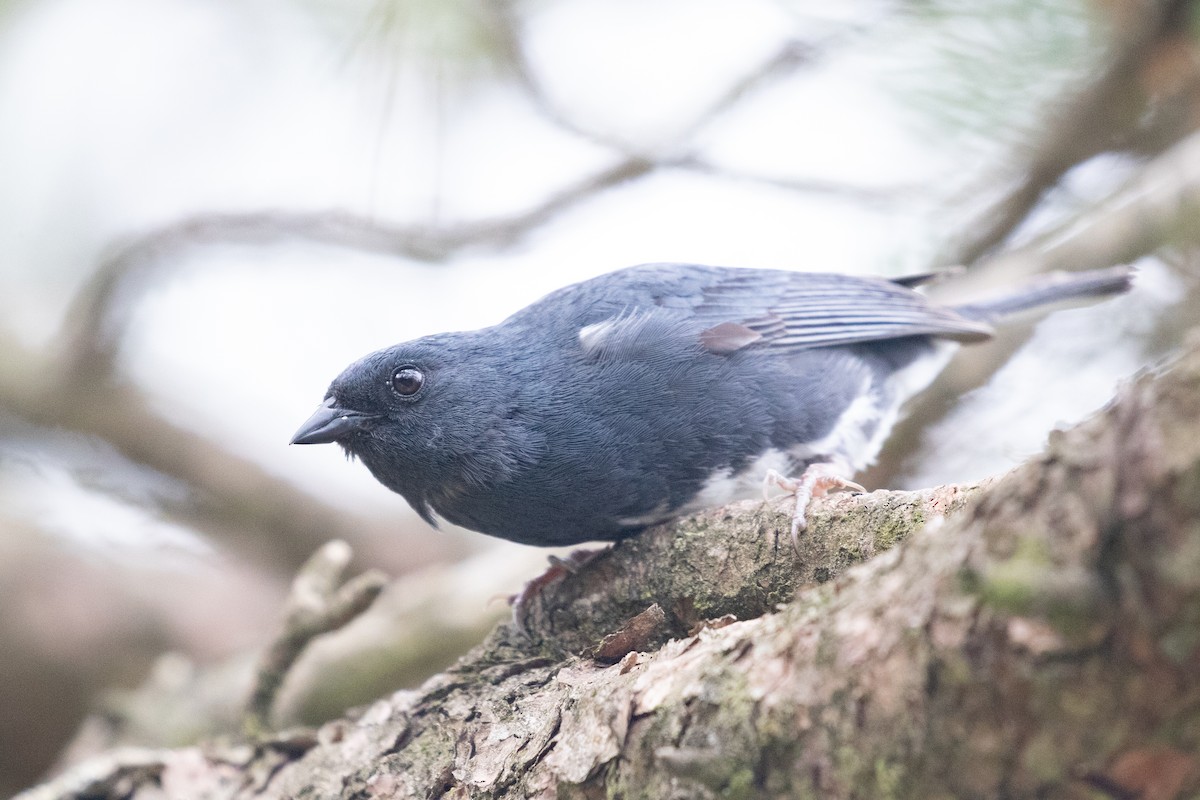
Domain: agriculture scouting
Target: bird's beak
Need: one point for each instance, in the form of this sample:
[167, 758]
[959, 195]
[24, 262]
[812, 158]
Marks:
[329, 424]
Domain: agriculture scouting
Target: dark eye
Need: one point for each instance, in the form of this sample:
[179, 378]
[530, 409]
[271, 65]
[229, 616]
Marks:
[407, 381]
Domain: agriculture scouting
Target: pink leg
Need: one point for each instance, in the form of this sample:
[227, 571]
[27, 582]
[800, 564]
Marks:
[817, 481]
[559, 569]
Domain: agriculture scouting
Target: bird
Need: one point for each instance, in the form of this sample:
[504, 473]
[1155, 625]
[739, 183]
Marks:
[655, 391]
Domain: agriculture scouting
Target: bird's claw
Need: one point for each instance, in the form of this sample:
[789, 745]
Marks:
[560, 569]
[817, 480]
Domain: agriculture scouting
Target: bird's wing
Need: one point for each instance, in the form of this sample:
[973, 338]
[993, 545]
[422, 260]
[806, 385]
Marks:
[730, 309]
[797, 311]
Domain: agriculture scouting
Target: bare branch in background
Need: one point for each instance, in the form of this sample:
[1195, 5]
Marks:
[786, 59]
[101, 309]
[1155, 209]
[884, 197]
[1117, 111]
[230, 498]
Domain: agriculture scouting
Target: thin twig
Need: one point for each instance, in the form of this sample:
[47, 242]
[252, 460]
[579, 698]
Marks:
[318, 604]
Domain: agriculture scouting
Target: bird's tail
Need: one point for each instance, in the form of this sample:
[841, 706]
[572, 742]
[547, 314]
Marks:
[1053, 288]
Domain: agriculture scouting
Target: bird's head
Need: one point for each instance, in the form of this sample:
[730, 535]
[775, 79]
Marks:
[425, 416]
[380, 396]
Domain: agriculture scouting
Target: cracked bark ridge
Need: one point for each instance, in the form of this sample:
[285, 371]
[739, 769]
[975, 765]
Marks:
[1040, 641]
[726, 561]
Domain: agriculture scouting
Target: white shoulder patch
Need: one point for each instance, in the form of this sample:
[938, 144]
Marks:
[593, 336]
[630, 332]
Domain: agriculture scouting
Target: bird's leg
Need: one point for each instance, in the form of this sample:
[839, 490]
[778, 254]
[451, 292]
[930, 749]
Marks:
[817, 480]
[559, 569]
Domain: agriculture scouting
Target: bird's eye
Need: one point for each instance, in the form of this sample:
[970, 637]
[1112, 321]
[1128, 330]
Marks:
[407, 381]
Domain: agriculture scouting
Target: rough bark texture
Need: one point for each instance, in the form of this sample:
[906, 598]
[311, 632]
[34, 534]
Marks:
[1041, 639]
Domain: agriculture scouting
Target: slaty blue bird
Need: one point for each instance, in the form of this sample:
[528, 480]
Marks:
[649, 393]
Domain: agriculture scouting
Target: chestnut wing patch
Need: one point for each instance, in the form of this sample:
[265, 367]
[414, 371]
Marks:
[728, 337]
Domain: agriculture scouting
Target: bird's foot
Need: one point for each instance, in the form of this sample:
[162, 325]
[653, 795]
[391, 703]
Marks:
[559, 569]
[817, 480]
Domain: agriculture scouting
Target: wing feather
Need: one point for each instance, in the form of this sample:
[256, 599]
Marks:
[727, 309]
[793, 311]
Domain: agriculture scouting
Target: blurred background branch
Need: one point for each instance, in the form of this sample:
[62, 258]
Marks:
[101, 311]
[1140, 102]
[1154, 212]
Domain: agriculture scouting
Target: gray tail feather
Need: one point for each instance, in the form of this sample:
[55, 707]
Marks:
[1053, 288]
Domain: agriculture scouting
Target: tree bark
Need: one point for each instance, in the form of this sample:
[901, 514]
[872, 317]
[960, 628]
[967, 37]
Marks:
[1038, 636]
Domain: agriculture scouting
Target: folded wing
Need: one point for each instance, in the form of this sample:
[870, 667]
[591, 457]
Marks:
[794, 311]
[731, 309]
